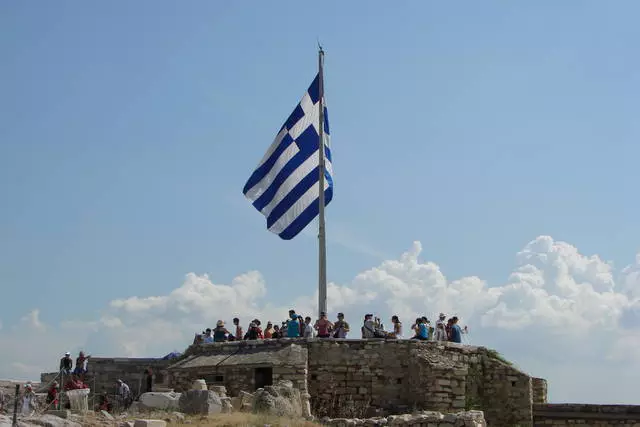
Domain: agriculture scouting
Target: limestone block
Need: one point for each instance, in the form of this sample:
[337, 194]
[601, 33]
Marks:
[220, 390]
[157, 400]
[149, 423]
[201, 402]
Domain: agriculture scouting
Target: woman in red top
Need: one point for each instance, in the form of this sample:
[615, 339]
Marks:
[323, 326]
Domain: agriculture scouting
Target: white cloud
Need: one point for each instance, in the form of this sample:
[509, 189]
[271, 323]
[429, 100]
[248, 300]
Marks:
[560, 314]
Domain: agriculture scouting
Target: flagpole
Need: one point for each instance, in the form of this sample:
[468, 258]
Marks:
[322, 252]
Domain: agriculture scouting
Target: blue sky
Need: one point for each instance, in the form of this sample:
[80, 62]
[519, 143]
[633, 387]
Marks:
[128, 129]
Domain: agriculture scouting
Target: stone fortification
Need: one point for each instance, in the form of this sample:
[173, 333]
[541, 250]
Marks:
[421, 419]
[563, 414]
[357, 378]
[105, 371]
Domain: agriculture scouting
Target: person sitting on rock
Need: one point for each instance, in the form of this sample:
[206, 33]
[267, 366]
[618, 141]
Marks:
[66, 364]
[397, 327]
[341, 327]
[104, 404]
[208, 336]
[220, 333]
[422, 330]
[368, 328]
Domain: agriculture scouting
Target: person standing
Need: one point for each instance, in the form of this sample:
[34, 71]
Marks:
[441, 331]
[239, 331]
[293, 325]
[148, 377]
[397, 327]
[323, 326]
[341, 327]
[456, 331]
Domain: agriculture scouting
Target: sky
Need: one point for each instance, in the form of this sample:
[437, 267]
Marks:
[485, 164]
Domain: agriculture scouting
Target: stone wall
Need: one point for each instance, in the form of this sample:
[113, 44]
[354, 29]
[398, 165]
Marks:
[104, 372]
[539, 387]
[347, 377]
[420, 419]
[586, 415]
[234, 365]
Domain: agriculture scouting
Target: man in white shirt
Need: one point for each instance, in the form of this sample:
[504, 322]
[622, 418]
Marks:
[441, 331]
[308, 329]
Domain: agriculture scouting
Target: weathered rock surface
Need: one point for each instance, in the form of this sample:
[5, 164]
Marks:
[149, 423]
[200, 402]
[47, 420]
[426, 418]
[156, 400]
[281, 399]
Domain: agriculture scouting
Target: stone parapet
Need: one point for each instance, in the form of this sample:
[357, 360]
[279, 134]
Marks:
[561, 414]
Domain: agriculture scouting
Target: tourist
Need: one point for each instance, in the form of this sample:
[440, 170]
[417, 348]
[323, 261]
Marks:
[341, 327]
[239, 331]
[456, 331]
[123, 394]
[207, 337]
[52, 396]
[104, 404]
[29, 401]
[268, 332]
[430, 329]
[368, 328]
[323, 326]
[148, 377]
[308, 329]
[448, 326]
[441, 330]
[253, 333]
[259, 328]
[277, 332]
[220, 333]
[66, 364]
[293, 325]
[82, 362]
[397, 327]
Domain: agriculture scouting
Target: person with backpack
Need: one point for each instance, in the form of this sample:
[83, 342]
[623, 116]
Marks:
[293, 325]
[341, 327]
[252, 332]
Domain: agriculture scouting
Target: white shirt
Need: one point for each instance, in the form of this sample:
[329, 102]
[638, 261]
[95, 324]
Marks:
[308, 331]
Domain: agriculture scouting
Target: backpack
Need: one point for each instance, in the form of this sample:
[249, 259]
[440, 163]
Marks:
[253, 333]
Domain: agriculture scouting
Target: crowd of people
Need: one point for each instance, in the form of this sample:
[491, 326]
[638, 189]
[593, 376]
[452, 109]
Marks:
[297, 326]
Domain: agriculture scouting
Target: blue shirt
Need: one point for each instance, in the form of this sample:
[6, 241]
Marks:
[456, 333]
[293, 328]
[423, 331]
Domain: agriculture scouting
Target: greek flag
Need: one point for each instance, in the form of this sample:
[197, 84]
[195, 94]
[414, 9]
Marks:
[284, 187]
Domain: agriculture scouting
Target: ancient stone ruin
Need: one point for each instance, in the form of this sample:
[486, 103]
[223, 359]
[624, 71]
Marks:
[359, 382]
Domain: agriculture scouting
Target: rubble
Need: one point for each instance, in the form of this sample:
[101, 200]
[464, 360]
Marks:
[426, 418]
[281, 399]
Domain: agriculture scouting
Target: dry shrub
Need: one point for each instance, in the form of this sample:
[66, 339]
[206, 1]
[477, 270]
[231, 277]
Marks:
[241, 419]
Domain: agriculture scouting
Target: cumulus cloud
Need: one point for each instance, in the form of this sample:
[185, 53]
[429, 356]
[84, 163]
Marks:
[560, 314]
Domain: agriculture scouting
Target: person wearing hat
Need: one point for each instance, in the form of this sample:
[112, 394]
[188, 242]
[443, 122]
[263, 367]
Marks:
[441, 331]
[66, 364]
[28, 400]
[341, 327]
[220, 333]
[293, 325]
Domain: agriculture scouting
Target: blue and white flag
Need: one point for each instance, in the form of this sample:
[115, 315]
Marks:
[284, 187]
